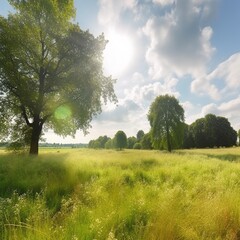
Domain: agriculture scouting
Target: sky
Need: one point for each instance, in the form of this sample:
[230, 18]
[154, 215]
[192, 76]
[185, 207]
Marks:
[186, 48]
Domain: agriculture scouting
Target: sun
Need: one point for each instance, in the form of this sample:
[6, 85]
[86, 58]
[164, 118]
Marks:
[118, 54]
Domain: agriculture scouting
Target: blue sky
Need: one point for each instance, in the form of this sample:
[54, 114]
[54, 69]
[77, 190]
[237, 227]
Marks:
[186, 48]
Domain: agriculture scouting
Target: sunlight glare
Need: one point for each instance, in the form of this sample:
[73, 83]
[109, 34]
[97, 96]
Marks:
[118, 54]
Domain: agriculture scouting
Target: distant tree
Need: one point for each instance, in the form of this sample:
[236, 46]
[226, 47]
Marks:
[99, 142]
[146, 141]
[109, 144]
[137, 145]
[102, 141]
[93, 144]
[199, 136]
[120, 140]
[188, 140]
[213, 131]
[226, 136]
[51, 72]
[166, 117]
[130, 142]
[140, 135]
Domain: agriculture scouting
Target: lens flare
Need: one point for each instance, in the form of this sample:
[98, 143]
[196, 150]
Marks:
[63, 112]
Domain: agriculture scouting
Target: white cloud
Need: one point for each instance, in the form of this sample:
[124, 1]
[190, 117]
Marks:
[178, 44]
[123, 112]
[229, 109]
[133, 106]
[210, 108]
[164, 2]
[144, 95]
[187, 106]
[137, 78]
[227, 74]
[110, 10]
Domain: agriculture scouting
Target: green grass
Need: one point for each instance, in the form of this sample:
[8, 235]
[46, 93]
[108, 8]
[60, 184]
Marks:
[104, 194]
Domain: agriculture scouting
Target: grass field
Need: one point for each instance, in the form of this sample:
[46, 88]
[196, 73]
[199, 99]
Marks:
[107, 195]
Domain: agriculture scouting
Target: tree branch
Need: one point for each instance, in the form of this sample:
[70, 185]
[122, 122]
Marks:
[24, 113]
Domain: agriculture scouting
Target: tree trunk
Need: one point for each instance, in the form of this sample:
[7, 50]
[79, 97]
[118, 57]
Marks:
[36, 132]
[168, 140]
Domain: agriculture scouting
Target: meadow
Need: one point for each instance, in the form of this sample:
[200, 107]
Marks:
[70, 194]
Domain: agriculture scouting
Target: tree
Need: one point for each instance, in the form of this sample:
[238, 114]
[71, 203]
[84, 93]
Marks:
[109, 144]
[199, 135]
[226, 136]
[146, 141]
[166, 117]
[130, 142]
[99, 142]
[120, 140]
[188, 141]
[50, 70]
[140, 135]
[137, 145]
[213, 131]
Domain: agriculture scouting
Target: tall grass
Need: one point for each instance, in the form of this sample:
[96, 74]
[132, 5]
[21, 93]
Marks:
[104, 194]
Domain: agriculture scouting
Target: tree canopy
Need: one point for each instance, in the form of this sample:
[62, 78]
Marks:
[120, 140]
[140, 135]
[50, 70]
[210, 131]
[166, 117]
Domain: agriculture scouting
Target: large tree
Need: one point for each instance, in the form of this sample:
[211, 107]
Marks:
[50, 70]
[166, 117]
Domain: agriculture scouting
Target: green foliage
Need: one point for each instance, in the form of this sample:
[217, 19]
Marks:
[146, 141]
[120, 140]
[211, 131]
[50, 70]
[140, 135]
[130, 142]
[166, 119]
[137, 145]
[99, 142]
[109, 144]
[86, 194]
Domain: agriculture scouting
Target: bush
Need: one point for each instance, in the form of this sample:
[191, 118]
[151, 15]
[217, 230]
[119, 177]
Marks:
[137, 146]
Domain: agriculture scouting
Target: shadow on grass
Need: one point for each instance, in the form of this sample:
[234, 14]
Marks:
[222, 157]
[225, 157]
[45, 174]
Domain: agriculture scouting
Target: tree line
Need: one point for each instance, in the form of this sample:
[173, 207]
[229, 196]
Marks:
[168, 130]
[208, 132]
[121, 141]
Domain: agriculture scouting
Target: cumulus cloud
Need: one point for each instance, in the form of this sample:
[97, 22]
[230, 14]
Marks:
[178, 43]
[123, 112]
[144, 95]
[136, 99]
[164, 2]
[226, 73]
[228, 109]
[110, 10]
[210, 108]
